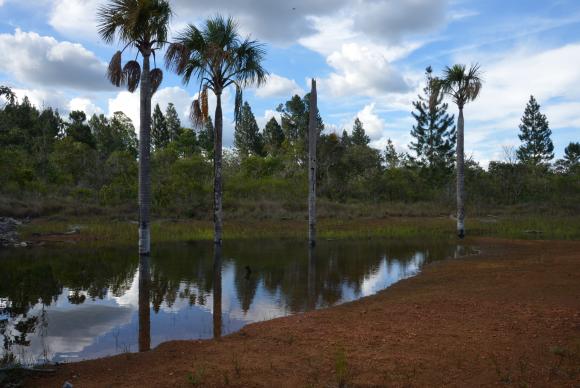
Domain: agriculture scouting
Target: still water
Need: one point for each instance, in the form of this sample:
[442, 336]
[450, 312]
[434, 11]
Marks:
[63, 304]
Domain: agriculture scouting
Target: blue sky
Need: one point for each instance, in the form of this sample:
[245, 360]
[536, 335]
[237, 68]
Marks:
[368, 56]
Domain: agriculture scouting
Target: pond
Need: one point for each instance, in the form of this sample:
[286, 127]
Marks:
[68, 304]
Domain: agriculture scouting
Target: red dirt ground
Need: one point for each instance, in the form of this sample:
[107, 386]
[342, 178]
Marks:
[509, 316]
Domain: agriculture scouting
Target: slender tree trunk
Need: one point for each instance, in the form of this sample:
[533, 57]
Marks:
[144, 160]
[217, 291]
[144, 312]
[312, 139]
[460, 176]
[217, 163]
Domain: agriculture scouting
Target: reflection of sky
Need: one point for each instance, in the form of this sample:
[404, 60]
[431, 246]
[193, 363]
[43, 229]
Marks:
[110, 325]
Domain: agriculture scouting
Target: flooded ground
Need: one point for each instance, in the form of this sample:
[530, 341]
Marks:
[67, 304]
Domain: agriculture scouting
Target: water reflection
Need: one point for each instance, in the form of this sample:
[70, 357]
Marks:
[63, 304]
[217, 291]
[144, 297]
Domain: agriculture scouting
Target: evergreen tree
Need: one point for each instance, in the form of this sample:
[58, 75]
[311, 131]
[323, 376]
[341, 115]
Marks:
[186, 142]
[78, 130]
[247, 137]
[172, 122]
[205, 137]
[345, 139]
[434, 132]
[359, 137]
[537, 147]
[392, 158]
[571, 158]
[295, 116]
[273, 136]
[159, 132]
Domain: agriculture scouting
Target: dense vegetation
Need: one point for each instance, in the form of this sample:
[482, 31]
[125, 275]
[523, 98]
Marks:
[52, 164]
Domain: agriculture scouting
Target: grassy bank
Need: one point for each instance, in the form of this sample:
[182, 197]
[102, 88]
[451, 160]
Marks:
[105, 231]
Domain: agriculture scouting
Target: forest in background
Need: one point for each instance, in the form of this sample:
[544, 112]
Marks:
[79, 165]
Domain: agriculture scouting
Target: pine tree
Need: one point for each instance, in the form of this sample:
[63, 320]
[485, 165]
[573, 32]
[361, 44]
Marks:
[247, 137]
[78, 129]
[435, 130]
[205, 137]
[392, 158]
[537, 147]
[159, 133]
[172, 122]
[571, 158]
[273, 136]
[359, 136]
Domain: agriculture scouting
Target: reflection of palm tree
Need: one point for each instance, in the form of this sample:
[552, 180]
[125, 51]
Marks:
[217, 291]
[144, 312]
[311, 304]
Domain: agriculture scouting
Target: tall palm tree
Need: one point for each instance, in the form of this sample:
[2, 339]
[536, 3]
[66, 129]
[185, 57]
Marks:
[216, 57]
[462, 85]
[142, 25]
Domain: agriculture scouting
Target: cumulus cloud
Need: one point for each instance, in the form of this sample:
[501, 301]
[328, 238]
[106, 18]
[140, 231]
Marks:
[41, 98]
[493, 119]
[75, 18]
[43, 61]
[361, 70]
[128, 103]
[278, 86]
[268, 114]
[85, 105]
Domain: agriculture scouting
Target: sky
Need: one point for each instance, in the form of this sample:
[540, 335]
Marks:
[368, 56]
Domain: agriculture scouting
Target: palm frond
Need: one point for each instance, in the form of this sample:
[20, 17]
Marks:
[204, 104]
[238, 105]
[156, 77]
[195, 114]
[134, 20]
[132, 75]
[114, 71]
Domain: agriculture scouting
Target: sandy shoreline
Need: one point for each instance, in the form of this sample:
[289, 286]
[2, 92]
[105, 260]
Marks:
[510, 315]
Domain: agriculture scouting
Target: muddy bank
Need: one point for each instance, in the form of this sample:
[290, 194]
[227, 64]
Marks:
[510, 315]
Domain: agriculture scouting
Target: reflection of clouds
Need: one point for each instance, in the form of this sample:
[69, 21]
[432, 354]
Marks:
[71, 330]
[110, 325]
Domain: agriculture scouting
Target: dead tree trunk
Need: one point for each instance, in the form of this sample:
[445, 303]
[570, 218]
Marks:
[312, 140]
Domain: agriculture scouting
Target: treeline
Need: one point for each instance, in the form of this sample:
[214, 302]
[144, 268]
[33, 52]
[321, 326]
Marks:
[93, 161]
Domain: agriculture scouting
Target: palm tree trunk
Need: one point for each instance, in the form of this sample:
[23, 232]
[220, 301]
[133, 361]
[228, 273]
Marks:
[460, 176]
[312, 137]
[144, 160]
[217, 162]
[144, 313]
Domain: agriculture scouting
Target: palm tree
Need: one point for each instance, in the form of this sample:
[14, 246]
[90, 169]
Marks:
[462, 85]
[8, 94]
[217, 58]
[143, 25]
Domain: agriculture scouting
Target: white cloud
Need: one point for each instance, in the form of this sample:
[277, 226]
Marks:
[278, 86]
[75, 18]
[268, 114]
[362, 70]
[85, 105]
[36, 60]
[549, 74]
[129, 104]
[42, 98]
[373, 124]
